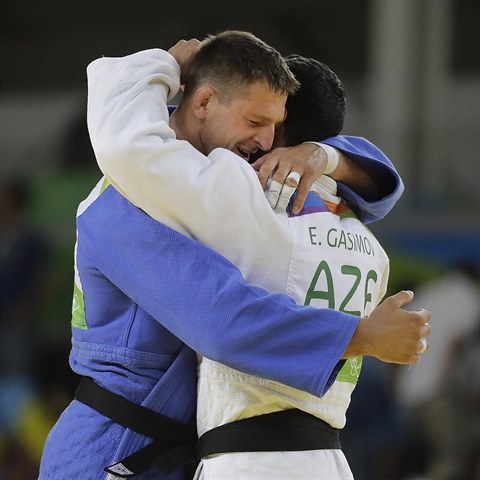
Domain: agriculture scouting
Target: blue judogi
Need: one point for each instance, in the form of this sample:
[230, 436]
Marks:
[150, 298]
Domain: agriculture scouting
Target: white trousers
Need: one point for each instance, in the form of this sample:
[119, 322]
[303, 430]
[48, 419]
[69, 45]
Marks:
[306, 465]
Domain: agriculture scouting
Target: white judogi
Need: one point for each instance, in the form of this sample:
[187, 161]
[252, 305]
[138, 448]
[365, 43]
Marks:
[336, 262]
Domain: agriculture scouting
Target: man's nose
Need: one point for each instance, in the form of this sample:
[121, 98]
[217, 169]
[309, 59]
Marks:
[265, 136]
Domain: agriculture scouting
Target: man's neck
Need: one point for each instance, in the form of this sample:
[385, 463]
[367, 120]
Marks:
[183, 128]
[175, 123]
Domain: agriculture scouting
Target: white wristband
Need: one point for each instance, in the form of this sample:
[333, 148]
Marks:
[333, 158]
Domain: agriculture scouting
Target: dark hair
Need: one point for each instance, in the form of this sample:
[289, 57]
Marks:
[317, 109]
[234, 59]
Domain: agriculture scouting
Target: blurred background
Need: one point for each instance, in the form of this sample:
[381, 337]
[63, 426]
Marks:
[411, 70]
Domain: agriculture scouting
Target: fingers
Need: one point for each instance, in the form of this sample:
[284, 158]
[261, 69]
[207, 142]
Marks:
[423, 345]
[292, 180]
[283, 170]
[183, 52]
[303, 188]
[307, 159]
[290, 169]
[405, 297]
[273, 193]
[278, 163]
[284, 181]
[399, 336]
[266, 166]
[300, 198]
[426, 330]
[288, 189]
[284, 198]
[401, 298]
[424, 316]
[279, 195]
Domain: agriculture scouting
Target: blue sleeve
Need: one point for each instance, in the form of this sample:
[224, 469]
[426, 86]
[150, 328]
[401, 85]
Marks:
[202, 299]
[367, 155]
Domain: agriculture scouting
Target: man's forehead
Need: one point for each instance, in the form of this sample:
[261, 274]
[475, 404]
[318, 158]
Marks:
[261, 88]
[262, 102]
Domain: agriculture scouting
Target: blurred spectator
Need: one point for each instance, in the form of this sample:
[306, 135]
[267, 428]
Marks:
[441, 392]
[55, 197]
[23, 257]
[23, 260]
[452, 420]
[36, 282]
[423, 422]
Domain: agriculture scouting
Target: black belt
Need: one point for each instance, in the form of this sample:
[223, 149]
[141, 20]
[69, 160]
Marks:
[287, 430]
[174, 442]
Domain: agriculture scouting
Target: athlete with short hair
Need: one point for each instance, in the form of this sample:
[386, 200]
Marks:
[333, 262]
[147, 297]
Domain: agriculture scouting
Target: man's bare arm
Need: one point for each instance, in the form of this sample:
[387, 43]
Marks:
[359, 179]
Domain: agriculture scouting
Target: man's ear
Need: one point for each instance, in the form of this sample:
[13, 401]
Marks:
[202, 99]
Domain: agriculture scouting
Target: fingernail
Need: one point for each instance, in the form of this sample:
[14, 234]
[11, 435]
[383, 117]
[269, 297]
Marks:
[410, 292]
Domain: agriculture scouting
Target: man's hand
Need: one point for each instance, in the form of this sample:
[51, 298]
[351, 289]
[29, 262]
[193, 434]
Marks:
[307, 159]
[390, 333]
[183, 52]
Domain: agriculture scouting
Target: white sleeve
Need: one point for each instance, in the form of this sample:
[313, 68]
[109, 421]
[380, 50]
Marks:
[216, 199]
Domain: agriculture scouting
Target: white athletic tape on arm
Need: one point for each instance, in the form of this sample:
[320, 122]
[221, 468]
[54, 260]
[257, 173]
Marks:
[333, 157]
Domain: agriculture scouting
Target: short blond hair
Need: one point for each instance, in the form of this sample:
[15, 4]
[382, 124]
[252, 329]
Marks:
[234, 59]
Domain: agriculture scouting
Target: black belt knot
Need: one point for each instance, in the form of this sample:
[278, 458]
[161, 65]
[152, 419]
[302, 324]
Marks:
[173, 444]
